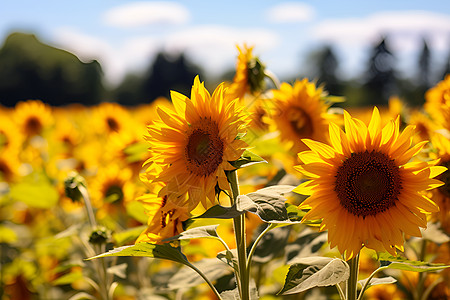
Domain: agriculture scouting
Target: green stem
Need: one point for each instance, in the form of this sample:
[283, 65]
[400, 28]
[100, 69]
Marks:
[213, 288]
[366, 284]
[239, 230]
[341, 292]
[422, 275]
[252, 250]
[352, 289]
[269, 74]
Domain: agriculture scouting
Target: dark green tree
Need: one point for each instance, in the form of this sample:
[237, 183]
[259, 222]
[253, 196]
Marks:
[30, 69]
[324, 69]
[424, 66]
[380, 77]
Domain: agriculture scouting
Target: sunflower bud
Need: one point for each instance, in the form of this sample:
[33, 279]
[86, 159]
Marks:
[72, 186]
[256, 75]
[99, 236]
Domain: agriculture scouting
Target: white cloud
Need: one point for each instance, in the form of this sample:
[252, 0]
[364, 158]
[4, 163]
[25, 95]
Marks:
[404, 28]
[214, 47]
[404, 31]
[211, 47]
[291, 12]
[137, 14]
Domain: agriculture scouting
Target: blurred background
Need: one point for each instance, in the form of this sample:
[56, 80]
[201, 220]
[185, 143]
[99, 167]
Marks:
[129, 52]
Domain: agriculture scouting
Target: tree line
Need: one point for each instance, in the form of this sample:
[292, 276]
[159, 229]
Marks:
[30, 69]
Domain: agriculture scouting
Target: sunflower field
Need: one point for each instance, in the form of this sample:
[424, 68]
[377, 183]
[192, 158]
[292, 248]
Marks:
[255, 189]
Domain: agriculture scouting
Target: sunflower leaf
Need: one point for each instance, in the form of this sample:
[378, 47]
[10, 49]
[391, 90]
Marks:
[186, 277]
[312, 272]
[36, 191]
[307, 243]
[270, 203]
[128, 236]
[242, 205]
[195, 233]
[163, 251]
[247, 158]
[401, 263]
[378, 281]
[265, 251]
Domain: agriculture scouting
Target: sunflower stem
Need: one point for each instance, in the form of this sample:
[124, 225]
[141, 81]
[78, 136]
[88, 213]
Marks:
[239, 230]
[352, 288]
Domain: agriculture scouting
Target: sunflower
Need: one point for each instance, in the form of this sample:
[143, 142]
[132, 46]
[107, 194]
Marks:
[298, 112]
[249, 77]
[110, 117]
[194, 143]
[441, 195]
[112, 184]
[164, 217]
[364, 187]
[424, 126]
[32, 117]
[10, 136]
[437, 102]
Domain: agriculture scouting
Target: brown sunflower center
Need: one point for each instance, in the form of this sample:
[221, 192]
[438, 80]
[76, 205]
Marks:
[204, 149]
[113, 193]
[368, 183]
[113, 125]
[445, 178]
[33, 126]
[300, 121]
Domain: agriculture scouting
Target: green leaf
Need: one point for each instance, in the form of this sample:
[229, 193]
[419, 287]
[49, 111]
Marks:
[378, 281]
[35, 191]
[163, 251]
[307, 244]
[333, 99]
[128, 236]
[136, 152]
[230, 258]
[243, 204]
[187, 277]
[136, 210]
[247, 158]
[400, 263]
[234, 293]
[68, 278]
[435, 234]
[265, 250]
[312, 272]
[209, 231]
[82, 296]
[296, 215]
[118, 270]
[7, 235]
[270, 203]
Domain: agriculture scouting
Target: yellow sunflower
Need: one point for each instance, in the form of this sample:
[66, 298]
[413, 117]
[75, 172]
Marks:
[438, 95]
[32, 117]
[110, 117]
[164, 217]
[249, 77]
[10, 136]
[298, 113]
[424, 126]
[112, 184]
[364, 187]
[441, 195]
[194, 143]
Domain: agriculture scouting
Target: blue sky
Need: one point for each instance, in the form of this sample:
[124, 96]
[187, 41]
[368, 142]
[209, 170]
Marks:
[125, 35]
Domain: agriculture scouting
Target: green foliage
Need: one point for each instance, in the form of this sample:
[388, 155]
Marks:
[35, 191]
[401, 263]
[247, 158]
[312, 272]
[163, 251]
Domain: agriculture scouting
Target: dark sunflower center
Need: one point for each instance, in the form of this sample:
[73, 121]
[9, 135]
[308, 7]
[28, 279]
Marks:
[5, 171]
[112, 124]
[300, 121]
[368, 183]
[113, 193]
[445, 178]
[33, 126]
[204, 150]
